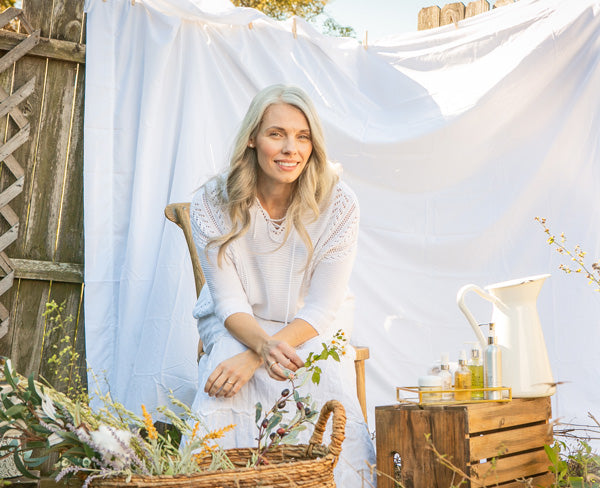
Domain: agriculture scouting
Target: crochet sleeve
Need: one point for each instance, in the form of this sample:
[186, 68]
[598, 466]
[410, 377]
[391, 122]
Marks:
[227, 292]
[333, 261]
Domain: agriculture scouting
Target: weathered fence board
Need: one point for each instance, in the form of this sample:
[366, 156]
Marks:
[48, 255]
[452, 13]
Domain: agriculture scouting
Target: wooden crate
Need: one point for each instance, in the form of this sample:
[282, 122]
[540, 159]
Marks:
[495, 444]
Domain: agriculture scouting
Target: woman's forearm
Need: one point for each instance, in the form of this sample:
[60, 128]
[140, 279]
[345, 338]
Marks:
[246, 329]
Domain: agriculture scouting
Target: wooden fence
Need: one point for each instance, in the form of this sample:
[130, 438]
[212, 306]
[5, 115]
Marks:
[430, 17]
[41, 205]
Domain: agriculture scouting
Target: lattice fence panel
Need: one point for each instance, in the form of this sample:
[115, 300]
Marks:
[9, 106]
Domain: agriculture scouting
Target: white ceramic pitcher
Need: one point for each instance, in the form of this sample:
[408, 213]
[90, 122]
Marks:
[525, 364]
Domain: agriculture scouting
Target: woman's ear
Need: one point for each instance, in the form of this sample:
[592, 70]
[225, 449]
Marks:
[251, 143]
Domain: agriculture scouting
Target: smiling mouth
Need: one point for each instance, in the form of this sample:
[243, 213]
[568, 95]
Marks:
[286, 164]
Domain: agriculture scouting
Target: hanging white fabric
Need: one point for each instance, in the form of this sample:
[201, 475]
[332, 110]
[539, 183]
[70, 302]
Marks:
[454, 139]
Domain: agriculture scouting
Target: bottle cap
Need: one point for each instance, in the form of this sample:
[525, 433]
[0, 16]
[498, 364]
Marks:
[430, 380]
[462, 356]
[445, 358]
[475, 350]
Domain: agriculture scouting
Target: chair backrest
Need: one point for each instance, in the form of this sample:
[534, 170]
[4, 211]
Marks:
[179, 213]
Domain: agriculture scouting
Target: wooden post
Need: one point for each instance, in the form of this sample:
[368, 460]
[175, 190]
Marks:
[429, 17]
[502, 3]
[477, 7]
[452, 13]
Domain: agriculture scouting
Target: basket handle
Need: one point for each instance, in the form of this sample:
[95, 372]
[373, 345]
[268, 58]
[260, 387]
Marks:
[338, 433]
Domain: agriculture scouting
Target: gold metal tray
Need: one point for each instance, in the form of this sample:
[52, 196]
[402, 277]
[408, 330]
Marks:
[418, 397]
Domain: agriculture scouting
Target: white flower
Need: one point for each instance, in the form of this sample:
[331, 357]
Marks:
[48, 407]
[113, 441]
[54, 439]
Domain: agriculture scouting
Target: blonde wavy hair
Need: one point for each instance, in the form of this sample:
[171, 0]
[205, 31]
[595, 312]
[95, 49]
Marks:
[238, 191]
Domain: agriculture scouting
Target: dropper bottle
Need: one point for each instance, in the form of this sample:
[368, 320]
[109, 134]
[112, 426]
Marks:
[493, 365]
[446, 377]
[475, 365]
[462, 378]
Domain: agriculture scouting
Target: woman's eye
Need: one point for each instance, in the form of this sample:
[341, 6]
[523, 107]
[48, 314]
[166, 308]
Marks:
[305, 137]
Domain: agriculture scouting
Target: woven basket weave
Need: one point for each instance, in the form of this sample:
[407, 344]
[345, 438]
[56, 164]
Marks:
[305, 466]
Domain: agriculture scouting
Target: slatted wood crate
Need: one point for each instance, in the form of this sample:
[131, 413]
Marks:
[492, 444]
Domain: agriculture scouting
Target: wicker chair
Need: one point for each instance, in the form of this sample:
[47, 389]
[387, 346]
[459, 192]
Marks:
[179, 213]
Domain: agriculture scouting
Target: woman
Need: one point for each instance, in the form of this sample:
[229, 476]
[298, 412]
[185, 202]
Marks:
[277, 238]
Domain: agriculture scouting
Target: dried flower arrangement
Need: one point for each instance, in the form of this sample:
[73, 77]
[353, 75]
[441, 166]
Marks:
[37, 422]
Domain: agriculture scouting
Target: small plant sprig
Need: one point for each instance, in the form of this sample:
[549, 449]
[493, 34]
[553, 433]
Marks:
[64, 360]
[272, 431]
[577, 256]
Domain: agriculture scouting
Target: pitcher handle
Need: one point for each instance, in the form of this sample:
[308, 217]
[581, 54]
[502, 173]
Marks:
[460, 300]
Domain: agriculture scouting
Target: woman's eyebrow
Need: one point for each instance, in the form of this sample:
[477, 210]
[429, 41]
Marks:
[275, 127]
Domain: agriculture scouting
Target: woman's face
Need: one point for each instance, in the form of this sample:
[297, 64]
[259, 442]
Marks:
[283, 145]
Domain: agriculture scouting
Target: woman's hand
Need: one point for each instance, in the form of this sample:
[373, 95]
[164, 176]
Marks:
[233, 373]
[280, 359]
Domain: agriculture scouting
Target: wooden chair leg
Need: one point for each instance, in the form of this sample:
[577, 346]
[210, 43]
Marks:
[362, 354]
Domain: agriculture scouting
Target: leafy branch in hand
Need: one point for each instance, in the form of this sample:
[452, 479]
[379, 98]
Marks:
[271, 430]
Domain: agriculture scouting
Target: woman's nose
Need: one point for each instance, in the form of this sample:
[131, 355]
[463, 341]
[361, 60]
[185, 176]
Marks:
[289, 145]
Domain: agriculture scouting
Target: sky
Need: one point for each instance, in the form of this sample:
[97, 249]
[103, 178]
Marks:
[379, 17]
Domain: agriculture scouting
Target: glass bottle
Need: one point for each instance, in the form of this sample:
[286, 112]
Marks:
[475, 365]
[462, 378]
[493, 365]
[446, 377]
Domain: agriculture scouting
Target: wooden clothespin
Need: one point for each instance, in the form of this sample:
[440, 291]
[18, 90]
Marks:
[366, 43]
[250, 25]
[133, 3]
[294, 28]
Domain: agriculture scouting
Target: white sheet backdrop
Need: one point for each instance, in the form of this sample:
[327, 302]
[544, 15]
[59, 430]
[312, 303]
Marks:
[454, 140]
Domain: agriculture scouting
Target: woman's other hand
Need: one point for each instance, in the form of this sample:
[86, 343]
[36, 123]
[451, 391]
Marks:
[233, 373]
[281, 359]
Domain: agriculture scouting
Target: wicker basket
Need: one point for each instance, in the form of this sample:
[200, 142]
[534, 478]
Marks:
[305, 466]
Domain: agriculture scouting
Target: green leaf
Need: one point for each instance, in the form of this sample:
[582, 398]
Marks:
[34, 462]
[258, 412]
[316, 377]
[34, 395]
[274, 420]
[335, 355]
[16, 410]
[576, 482]
[552, 454]
[21, 467]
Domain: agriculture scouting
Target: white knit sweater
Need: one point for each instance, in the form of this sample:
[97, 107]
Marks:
[268, 280]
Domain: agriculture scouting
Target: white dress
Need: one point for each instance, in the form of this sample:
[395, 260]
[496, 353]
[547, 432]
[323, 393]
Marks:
[270, 281]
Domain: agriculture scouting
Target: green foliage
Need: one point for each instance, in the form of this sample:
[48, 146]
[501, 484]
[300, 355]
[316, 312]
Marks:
[576, 467]
[283, 9]
[310, 10]
[273, 429]
[64, 361]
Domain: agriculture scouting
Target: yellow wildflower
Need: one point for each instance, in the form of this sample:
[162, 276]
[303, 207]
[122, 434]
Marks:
[195, 430]
[152, 433]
